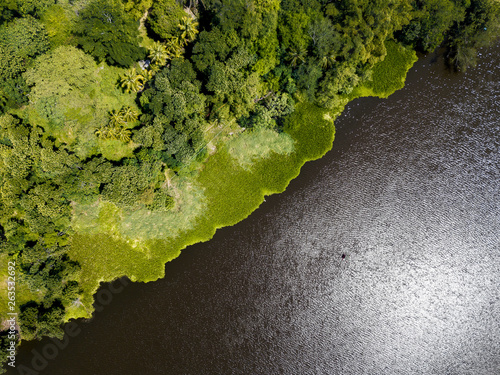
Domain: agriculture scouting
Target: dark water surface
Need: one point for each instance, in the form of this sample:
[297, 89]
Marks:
[381, 258]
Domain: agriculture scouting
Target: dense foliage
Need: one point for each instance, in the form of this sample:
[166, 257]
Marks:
[106, 32]
[105, 103]
[463, 26]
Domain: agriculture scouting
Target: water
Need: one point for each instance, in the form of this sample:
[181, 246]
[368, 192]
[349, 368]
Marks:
[381, 258]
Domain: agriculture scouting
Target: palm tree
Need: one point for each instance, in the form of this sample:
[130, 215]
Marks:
[149, 74]
[102, 132]
[113, 132]
[188, 28]
[327, 61]
[174, 47]
[296, 55]
[116, 119]
[158, 54]
[123, 134]
[132, 81]
[129, 114]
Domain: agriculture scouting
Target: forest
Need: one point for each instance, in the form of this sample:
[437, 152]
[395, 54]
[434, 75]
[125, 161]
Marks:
[117, 116]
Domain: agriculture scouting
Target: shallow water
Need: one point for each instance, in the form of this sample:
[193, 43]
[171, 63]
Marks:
[381, 258]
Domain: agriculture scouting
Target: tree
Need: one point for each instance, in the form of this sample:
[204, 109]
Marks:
[127, 183]
[7, 10]
[270, 112]
[124, 134]
[58, 73]
[158, 54]
[34, 7]
[212, 46]
[129, 114]
[296, 55]
[5, 346]
[117, 127]
[464, 57]
[103, 132]
[37, 321]
[164, 18]
[433, 18]
[61, 84]
[13, 93]
[328, 60]
[150, 137]
[33, 173]
[136, 8]
[479, 28]
[59, 22]
[161, 201]
[132, 81]
[233, 83]
[294, 22]
[21, 40]
[71, 97]
[116, 119]
[45, 209]
[174, 47]
[108, 33]
[114, 132]
[188, 29]
[177, 110]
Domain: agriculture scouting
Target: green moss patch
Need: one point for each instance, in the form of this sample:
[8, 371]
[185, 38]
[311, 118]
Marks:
[257, 144]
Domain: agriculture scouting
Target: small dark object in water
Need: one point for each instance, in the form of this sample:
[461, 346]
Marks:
[343, 256]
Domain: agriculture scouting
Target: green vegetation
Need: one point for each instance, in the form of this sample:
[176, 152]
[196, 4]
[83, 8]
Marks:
[164, 18]
[131, 129]
[230, 193]
[22, 39]
[251, 146]
[389, 74]
[106, 32]
[463, 26]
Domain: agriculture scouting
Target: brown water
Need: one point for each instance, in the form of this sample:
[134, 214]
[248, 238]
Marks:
[381, 258]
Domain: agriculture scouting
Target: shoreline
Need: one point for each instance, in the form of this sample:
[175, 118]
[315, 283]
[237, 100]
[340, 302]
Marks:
[228, 200]
[105, 257]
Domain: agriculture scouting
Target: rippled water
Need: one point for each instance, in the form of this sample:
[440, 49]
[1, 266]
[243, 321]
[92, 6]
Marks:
[381, 258]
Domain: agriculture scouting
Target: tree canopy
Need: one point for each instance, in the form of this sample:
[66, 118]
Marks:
[108, 33]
